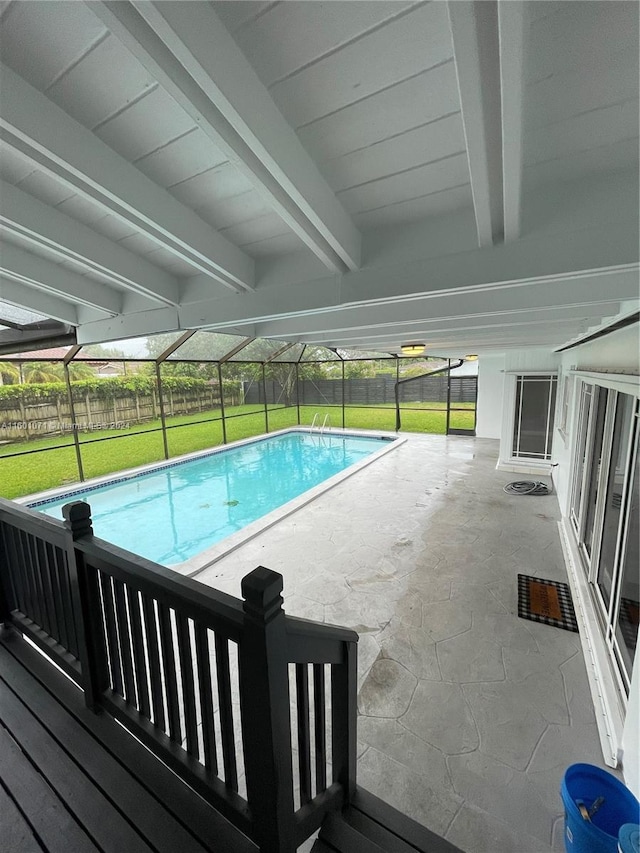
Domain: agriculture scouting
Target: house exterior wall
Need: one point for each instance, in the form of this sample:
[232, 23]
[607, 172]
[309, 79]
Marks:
[490, 392]
[616, 357]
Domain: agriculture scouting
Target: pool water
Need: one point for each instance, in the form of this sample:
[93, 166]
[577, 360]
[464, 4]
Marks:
[177, 510]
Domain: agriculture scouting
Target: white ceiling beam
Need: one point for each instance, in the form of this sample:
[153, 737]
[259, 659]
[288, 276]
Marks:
[511, 31]
[539, 266]
[571, 316]
[466, 343]
[129, 326]
[461, 331]
[574, 293]
[39, 130]
[197, 61]
[474, 31]
[20, 265]
[70, 240]
[43, 303]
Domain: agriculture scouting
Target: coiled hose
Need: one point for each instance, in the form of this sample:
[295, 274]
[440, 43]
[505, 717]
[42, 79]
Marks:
[530, 487]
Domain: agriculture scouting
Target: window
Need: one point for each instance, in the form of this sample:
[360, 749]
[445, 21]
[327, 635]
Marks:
[534, 413]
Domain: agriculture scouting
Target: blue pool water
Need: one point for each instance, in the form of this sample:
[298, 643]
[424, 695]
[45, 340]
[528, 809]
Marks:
[177, 510]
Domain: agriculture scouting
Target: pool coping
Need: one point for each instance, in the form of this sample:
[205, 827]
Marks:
[194, 565]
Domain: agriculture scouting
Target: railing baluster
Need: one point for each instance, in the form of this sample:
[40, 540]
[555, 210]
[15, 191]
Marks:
[32, 610]
[16, 569]
[112, 635]
[206, 699]
[137, 642]
[65, 590]
[169, 669]
[188, 686]
[304, 739]
[41, 599]
[226, 713]
[7, 595]
[51, 622]
[125, 642]
[51, 568]
[155, 674]
[320, 731]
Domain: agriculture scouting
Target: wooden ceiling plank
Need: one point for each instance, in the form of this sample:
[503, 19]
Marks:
[43, 303]
[41, 131]
[64, 237]
[45, 275]
[197, 61]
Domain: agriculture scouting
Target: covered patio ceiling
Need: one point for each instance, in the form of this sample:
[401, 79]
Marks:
[352, 174]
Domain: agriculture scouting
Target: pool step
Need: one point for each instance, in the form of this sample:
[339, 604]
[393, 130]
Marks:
[370, 825]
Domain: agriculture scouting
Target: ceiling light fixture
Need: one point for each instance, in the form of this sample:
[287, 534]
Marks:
[412, 349]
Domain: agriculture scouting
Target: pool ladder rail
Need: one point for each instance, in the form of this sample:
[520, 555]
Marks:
[315, 423]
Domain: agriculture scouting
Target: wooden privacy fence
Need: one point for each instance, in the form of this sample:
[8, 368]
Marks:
[216, 687]
[364, 392]
[21, 420]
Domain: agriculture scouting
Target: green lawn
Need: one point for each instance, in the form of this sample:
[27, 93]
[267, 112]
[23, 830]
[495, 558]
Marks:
[34, 472]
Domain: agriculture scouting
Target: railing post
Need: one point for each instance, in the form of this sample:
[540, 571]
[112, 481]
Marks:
[264, 705]
[86, 606]
[344, 720]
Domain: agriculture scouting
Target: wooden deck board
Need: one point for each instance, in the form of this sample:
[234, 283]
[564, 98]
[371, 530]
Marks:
[17, 835]
[42, 808]
[87, 804]
[75, 764]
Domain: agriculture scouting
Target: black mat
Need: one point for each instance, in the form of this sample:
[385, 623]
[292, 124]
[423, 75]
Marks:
[548, 602]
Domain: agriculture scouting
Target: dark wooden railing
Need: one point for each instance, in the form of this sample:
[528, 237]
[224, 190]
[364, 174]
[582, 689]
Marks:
[224, 691]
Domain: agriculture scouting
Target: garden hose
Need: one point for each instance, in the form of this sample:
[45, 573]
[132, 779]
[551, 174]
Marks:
[530, 487]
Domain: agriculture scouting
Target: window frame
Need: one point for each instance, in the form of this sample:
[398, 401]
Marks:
[509, 422]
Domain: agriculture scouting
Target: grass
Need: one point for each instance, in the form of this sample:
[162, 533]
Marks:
[34, 472]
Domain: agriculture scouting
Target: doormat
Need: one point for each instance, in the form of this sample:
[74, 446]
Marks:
[546, 601]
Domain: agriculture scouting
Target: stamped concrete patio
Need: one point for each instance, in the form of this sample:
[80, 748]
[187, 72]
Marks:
[468, 715]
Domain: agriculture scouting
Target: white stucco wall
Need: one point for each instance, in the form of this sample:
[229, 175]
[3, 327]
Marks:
[490, 390]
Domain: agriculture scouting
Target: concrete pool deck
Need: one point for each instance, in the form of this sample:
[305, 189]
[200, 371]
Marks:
[468, 715]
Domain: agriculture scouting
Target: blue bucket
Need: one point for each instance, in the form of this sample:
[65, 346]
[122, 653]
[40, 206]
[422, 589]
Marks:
[584, 784]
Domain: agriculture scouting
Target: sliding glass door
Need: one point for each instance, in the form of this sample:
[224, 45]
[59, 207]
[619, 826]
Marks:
[604, 509]
[624, 625]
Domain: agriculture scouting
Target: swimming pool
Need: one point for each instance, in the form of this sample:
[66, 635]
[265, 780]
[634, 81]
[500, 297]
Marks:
[172, 512]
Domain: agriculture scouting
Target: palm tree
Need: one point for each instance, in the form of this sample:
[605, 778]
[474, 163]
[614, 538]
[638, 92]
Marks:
[79, 370]
[9, 373]
[42, 372]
